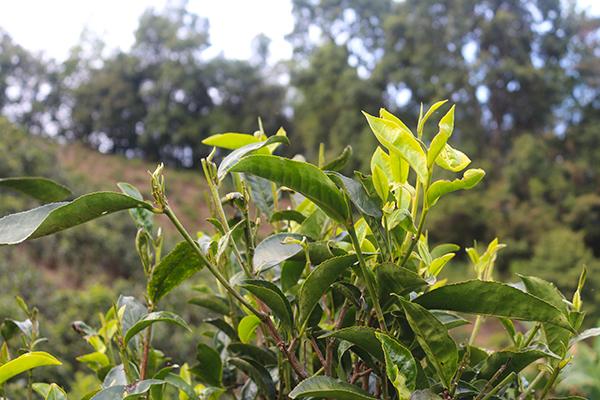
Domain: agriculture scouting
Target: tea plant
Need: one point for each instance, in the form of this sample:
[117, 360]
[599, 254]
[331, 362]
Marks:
[326, 285]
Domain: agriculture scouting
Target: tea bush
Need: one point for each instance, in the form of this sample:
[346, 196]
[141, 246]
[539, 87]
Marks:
[326, 285]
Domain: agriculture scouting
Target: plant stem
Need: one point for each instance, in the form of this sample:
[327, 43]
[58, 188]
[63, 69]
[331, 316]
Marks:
[532, 334]
[415, 239]
[550, 382]
[262, 316]
[367, 278]
[145, 352]
[499, 386]
[475, 331]
[532, 385]
[213, 270]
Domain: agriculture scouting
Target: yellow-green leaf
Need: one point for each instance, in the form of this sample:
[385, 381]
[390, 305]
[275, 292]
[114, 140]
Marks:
[439, 188]
[25, 363]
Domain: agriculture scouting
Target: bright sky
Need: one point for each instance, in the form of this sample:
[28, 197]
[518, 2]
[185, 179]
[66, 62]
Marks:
[54, 26]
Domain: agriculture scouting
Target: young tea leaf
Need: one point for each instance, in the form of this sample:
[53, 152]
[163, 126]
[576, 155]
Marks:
[439, 188]
[25, 363]
[231, 140]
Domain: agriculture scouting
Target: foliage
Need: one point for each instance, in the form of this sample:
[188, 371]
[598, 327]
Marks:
[341, 299]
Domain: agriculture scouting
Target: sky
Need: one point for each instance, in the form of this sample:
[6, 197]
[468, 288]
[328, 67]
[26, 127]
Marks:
[53, 27]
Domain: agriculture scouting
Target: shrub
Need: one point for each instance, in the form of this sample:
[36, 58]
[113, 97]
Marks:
[326, 286]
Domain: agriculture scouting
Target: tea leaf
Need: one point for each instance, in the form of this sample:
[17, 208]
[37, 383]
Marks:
[211, 302]
[439, 188]
[273, 297]
[177, 266]
[41, 189]
[400, 366]
[274, 250]
[302, 177]
[432, 335]
[247, 327]
[260, 354]
[451, 159]
[258, 374]
[26, 362]
[492, 298]
[54, 217]
[511, 361]
[439, 141]
[401, 141]
[49, 391]
[362, 336]
[152, 318]
[423, 118]
[210, 367]
[318, 282]
[358, 195]
[338, 163]
[236, 155]
[327, 387]
[231, 140]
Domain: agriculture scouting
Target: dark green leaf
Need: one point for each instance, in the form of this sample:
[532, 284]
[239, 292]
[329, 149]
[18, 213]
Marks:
[142, 217]
[291, 271]
[362, 336]
[152, 318]
[338, 163]
[259, 354]
[287, 215]
[178, 382]
[42, 189]
[211, 302]
[224, 327]
[54, 217]
[258, 374]
[209, 369]
[400, 366]
[358, 195]
[546, 291]
[318, 281]
[511, 361]
[262, 194]
[327, 387]
[392, 278]
[273, 297]
[177, 266]
[492, 298]
[432, 335]
[302, 177]
[450, 320]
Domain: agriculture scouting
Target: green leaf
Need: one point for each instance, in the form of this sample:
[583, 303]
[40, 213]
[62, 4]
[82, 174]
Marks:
[338, 163]
[400, 141]
[274, 250]
[260, 354]
[111, 393]
[385, 114]
[492, 298]
[439, 188]
[178, 382]
[511, 361]
[327, 387]
[546, 291]
[54, 217]
[262, 194]
[180, 264]
[273, 297]
[302, 177]
[142, 217]
[95, 360]
[26, 362]
[438, 143]
[362, 336]
[400, 366]
[224, 327]
[247, 327]
[318, 282]
[152, 318]
[230, 140]
[392, 278]
[449, 319]
[358, 195]
[236, 155]
[432, 335]
[41, 189]
[49, 391]
[452, 160]
[287, 215]
[210, 367]
[314, 225]
[423, 119]
[258, 374]
[381, 173]
[135, 389]
[439, 263]
[211, 302]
